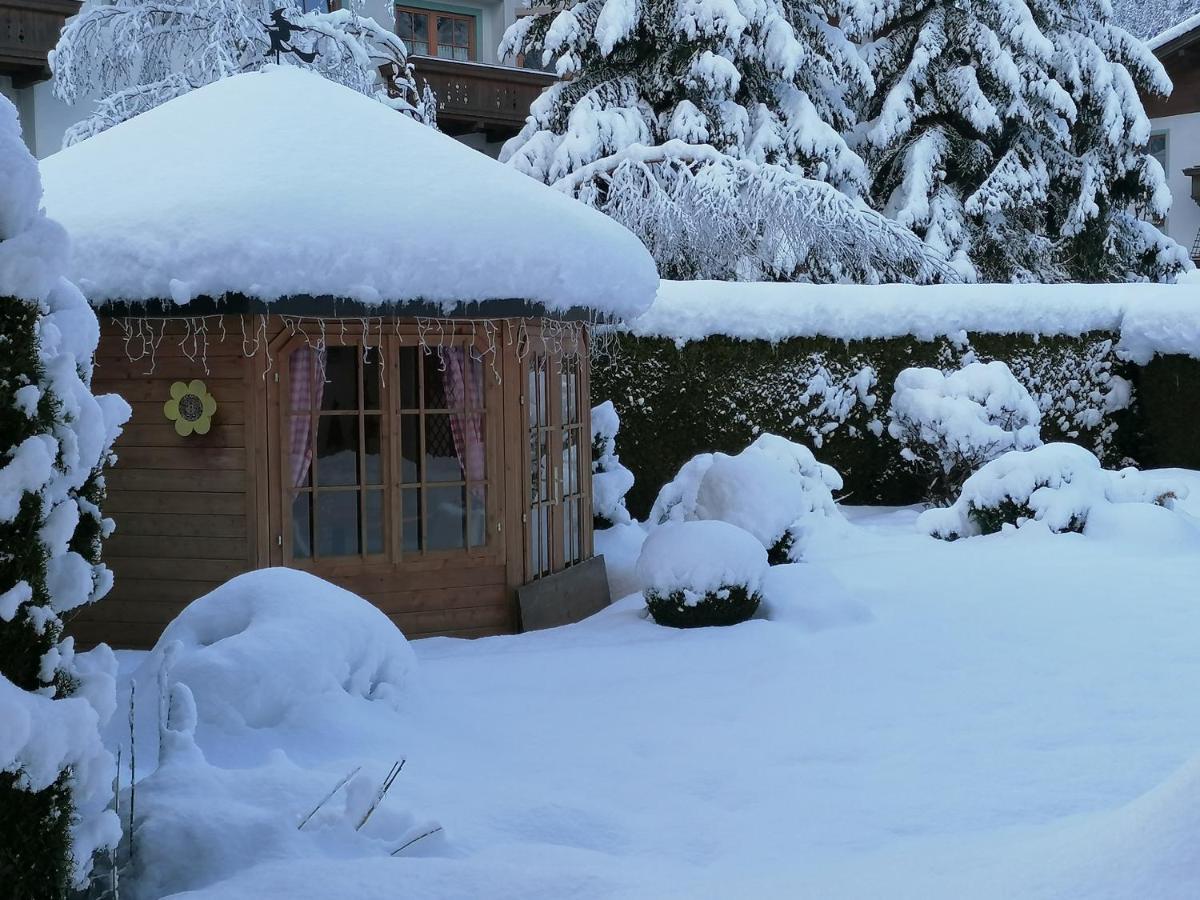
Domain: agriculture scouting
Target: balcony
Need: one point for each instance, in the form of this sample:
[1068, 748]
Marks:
[28, 32]
[476, 97]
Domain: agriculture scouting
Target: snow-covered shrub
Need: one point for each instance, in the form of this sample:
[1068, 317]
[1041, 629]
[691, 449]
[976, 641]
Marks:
[273, 686]
[695, 574]
[811, 597]
[55, 439]
[775, 489]
[138, 54]
[280, 647]
[1057, 485]
[611, 481]
[950, 425]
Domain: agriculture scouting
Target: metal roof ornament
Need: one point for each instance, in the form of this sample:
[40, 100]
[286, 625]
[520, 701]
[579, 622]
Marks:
[280, 32]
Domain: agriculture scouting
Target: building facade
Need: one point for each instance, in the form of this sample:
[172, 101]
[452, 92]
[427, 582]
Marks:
[482, 99]
[1175, 139]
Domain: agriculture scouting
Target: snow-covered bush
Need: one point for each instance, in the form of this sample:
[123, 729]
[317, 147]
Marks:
[775, 489]
[1057, 485]
[611, 481]
[55, 439]
[280, 647]
[950, 425]
[272, 687]
[714, 133]
[695, 574]
[134, 55]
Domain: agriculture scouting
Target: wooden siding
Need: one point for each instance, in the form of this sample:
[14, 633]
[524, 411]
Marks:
[28, 31]
[193, 512]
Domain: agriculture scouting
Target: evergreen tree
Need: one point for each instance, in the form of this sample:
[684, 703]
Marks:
[137, 54]
[1107, 184]
[713, 129]
[55, 436]
[1010, 137]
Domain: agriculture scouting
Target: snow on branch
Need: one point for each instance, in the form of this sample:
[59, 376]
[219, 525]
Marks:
[706, 215]
[137, 54]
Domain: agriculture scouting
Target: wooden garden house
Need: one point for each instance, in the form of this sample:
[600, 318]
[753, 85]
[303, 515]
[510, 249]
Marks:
[351, 345]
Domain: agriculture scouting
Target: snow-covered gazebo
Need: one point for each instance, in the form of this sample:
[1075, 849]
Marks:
[352, 345]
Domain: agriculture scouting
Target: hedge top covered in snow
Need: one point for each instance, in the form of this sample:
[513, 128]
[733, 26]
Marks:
[280, 183]
[1151, 318]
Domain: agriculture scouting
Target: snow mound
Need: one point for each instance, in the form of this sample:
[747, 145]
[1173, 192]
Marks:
[279, 648]
[236, 193]
[810, 597]
[1058, 485]
[775, 489]
[697, 558]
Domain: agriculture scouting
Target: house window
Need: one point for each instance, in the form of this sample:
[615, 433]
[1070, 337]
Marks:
[385, 460]
[1158, 148]
[432, 33]
[320, 5]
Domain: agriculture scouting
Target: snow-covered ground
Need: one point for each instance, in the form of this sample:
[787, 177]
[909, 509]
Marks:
[1004, 716]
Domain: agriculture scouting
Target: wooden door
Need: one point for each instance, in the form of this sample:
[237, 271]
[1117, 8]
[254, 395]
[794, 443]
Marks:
[558, 496]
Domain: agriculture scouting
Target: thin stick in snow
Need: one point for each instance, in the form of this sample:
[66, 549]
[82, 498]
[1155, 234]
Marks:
[408, 844]
[383, 789]
[132, 762]
[337, 787]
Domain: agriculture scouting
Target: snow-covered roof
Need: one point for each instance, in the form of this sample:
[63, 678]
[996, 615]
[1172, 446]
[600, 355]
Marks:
[1188, 25]
[280, 184]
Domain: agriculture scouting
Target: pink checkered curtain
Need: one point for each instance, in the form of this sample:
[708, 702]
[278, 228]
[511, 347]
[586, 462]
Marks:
[306, 375]
[464, 389]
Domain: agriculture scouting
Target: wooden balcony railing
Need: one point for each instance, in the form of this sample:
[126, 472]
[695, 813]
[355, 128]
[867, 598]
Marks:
[480, 97]
[28, 32]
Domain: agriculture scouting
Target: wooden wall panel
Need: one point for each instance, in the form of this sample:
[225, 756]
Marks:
[193, 512]
[1183, 66]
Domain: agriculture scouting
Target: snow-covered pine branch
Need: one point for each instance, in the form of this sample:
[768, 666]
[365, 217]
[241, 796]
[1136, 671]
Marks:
[1010, 136]
[137, 54]
[715, 131]
[707, 216]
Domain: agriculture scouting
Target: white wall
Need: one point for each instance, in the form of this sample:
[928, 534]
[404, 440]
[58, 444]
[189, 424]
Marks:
[1183, 151]
[44, 118]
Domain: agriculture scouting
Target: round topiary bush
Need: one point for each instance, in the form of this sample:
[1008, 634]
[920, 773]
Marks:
[696, 574]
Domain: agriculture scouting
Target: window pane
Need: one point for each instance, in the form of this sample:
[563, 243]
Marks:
[535, 541]
[404, 25]
[477, 530]
[337, 450]
[445, 51]
[409, 377]
[372, 455]
[543, 466]
[373, 514]
[445, 32]
[340, 389]
[410, 449]
[441, 456]
[534, 495]
[410, 520]
[544, 563]
[302, 526]
[462, 54]
[337, 523]
[371, 378]
[531, 396]
[419, 48]
[447, 518]
[435, 387]
[300, 450]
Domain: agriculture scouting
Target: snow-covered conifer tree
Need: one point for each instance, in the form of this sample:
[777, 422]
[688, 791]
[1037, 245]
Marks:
[714, 131]
[55, 437]
[1107, 184]
[136, 54]
[1009, 135]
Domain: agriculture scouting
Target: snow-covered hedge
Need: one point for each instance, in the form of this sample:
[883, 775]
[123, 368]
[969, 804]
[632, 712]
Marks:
[1057, 485]
[948, 425]
[774, 489]
[696, 574]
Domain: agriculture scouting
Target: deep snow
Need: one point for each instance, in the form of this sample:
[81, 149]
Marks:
[1006, 716]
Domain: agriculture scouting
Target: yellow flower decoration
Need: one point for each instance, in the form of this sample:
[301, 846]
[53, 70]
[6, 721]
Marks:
[191, 407]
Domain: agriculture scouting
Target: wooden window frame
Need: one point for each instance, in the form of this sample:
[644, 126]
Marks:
[433, 14]
[491, 551]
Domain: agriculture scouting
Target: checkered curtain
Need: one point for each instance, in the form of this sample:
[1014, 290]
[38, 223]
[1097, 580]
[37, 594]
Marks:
[306, 378]
[464, 391]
